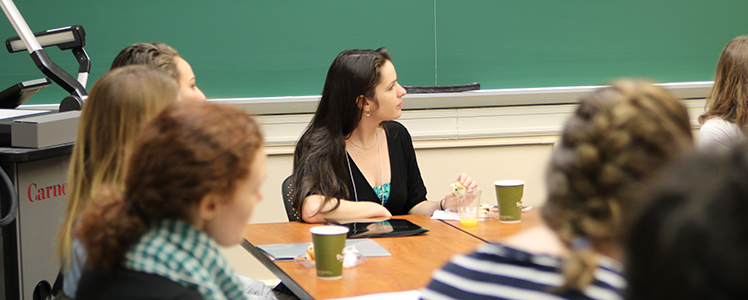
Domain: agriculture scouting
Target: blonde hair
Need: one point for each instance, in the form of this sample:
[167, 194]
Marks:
[618, 137]
[118, 106]
[186, 152]
[728, 97]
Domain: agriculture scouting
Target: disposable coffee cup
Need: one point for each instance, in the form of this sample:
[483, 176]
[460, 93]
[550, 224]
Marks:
[509, 198]
[467, 207]
[329, 242]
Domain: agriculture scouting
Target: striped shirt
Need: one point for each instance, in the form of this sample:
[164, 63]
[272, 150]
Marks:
[495, 271]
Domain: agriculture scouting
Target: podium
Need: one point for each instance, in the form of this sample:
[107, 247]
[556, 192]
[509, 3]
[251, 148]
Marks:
[39, 177]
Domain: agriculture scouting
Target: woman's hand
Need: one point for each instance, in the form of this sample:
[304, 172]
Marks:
[450, 200]
[429, 207]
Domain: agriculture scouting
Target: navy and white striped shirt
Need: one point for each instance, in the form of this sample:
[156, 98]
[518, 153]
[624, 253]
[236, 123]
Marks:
[496, 271]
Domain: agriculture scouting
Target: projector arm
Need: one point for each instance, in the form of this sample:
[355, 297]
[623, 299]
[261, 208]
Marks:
[72, 37]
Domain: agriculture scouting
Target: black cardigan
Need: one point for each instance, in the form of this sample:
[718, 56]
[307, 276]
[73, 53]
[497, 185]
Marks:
[406, 185]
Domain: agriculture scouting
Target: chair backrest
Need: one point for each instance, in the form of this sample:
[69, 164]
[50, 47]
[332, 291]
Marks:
[287, 194]
[42, 291]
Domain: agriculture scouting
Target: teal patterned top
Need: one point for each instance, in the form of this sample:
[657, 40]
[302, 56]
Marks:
[178, 251]
[383, 192]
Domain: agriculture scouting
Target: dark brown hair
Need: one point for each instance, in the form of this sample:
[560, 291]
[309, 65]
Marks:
[319, 158]
[188, 151]
[689, 238]
[618, 136]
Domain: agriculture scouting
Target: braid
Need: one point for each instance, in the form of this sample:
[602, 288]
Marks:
[155, 55]
[617, 137]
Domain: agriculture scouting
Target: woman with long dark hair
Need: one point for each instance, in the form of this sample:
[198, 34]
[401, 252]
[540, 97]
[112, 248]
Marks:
[354, 161]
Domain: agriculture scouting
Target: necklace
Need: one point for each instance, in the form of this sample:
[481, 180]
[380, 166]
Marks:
[381, 172]
[362, 148]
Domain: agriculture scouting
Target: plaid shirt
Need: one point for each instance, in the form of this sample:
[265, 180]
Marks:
[176, 250]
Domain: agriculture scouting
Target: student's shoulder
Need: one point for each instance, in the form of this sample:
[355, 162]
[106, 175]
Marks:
[396, 130]
[719, 130]
[719, 124]
[394, 125]
[128, 284]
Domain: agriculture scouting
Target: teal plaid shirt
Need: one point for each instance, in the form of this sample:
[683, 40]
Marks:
[176, 250]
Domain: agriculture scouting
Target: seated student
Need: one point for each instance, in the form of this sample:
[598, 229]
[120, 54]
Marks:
[726, 118]
[164, 58]
[119, 104]
[618, 137]
[354, 161]
[191, 184]
[690, 240]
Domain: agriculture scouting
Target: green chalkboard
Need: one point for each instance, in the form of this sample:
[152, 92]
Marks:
[245, 48]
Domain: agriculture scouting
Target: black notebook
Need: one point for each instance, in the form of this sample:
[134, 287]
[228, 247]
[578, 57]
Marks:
[387, 228]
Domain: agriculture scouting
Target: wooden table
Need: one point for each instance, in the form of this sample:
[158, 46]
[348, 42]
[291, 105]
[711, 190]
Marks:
[413, 258]
[494, 231]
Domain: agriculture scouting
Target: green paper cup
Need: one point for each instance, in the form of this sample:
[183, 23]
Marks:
[329, 242]
[509, 198]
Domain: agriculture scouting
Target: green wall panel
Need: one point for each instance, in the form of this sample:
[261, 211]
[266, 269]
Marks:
[283, 48]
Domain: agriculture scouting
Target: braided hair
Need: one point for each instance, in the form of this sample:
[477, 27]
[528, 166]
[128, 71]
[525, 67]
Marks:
[618, 136]
[156, 55]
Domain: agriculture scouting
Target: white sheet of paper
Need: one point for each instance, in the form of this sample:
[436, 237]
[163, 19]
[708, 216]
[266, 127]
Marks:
[447, 216]
[443, 215]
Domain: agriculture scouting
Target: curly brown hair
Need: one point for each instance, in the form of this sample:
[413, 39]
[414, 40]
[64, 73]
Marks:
[188, 151]
[618, 136]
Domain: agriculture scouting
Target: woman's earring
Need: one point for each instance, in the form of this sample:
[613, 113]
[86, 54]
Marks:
[368, 112]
